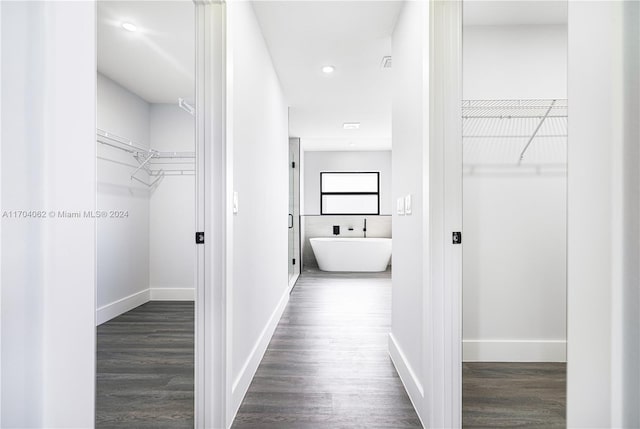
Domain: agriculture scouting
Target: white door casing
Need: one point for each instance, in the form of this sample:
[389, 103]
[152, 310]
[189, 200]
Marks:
[443, 297]
[212, 205]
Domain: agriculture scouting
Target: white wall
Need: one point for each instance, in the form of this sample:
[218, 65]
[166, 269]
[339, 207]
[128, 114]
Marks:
[48, 266]
[512, 62]
[172, 209]
[410, 137]
[123, 244]
[259, 279]
[424, 344]
[316, 162]
[514, 293]
[603, 307]
[514, 297]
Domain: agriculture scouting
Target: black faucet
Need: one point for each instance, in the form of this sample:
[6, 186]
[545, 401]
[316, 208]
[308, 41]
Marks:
[365, 228]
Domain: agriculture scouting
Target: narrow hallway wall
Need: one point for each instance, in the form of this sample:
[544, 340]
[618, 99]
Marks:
[260, 145]
[410, 233]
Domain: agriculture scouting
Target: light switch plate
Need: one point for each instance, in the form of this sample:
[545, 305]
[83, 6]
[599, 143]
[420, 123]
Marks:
[400, 206]
[407, 204]
[235, 202]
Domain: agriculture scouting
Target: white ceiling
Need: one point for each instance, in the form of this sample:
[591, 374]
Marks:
[157, 61]
[352, 36]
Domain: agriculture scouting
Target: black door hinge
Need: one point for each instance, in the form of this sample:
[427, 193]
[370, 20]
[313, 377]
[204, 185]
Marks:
[199, 237]
[457, 237]
[293, 164]
[294, 262]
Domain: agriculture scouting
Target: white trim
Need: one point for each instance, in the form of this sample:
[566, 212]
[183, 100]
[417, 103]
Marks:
[443, 286]
[128, 303]
[172, 294]
[407, 375]
[121, 306]
[292, 281]
[227, 161]
[1, 290]
[212, 284]
[514, 350]
[243, 380]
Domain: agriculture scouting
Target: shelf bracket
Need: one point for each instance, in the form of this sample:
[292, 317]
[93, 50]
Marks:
[536, 132]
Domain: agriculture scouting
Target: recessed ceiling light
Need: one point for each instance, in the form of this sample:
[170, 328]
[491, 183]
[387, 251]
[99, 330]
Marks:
[351, 125]
[129, 26]
[328, 69]
[352, 144]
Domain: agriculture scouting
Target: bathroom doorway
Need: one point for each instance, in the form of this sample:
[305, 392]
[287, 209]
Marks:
[514, 116]
[146, 186]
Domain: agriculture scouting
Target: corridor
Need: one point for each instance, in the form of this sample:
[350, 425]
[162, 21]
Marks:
[327, 365]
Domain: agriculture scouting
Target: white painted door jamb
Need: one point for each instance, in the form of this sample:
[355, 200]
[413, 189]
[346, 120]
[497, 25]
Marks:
[443, 297]
[211, 216]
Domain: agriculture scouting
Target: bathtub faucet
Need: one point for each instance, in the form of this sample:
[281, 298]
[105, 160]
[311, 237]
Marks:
[365, 228]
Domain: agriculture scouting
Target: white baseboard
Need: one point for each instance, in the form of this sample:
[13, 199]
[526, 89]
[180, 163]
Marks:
[116, 308]
[121, 306]
[242, 382]
[412, 385]
[292, 281]
[514, 350]
[172, 294]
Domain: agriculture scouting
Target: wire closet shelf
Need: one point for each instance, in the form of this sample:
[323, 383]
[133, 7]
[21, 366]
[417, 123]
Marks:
[157, 164]
[520, 133]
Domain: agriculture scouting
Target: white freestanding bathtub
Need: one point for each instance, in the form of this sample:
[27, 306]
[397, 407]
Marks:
[352, 254]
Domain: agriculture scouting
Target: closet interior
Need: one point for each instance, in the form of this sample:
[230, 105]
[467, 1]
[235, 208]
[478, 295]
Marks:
[146, 261]
[515, 142]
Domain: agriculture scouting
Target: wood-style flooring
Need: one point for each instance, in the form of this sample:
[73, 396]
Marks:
[327, 366]
[513, 395]
[145, 368]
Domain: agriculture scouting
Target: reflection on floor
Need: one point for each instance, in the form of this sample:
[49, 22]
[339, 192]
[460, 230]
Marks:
[145, 368]
[327, 365]
[514, 395]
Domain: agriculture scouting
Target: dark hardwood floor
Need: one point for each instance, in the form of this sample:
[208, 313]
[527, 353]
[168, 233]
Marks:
[327, 365]
[145, 368]
[513, 395]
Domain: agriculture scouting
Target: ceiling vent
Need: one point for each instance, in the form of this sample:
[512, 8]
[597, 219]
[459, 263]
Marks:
[386, 62]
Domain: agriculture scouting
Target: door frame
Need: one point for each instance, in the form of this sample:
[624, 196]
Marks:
[442, 341]
[213, 178]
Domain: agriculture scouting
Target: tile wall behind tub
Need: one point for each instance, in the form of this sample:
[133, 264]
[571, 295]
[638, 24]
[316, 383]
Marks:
[322, 226]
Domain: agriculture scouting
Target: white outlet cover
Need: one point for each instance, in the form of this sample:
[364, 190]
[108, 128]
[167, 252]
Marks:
[407, 204]
[235, 202]
[400, 206]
